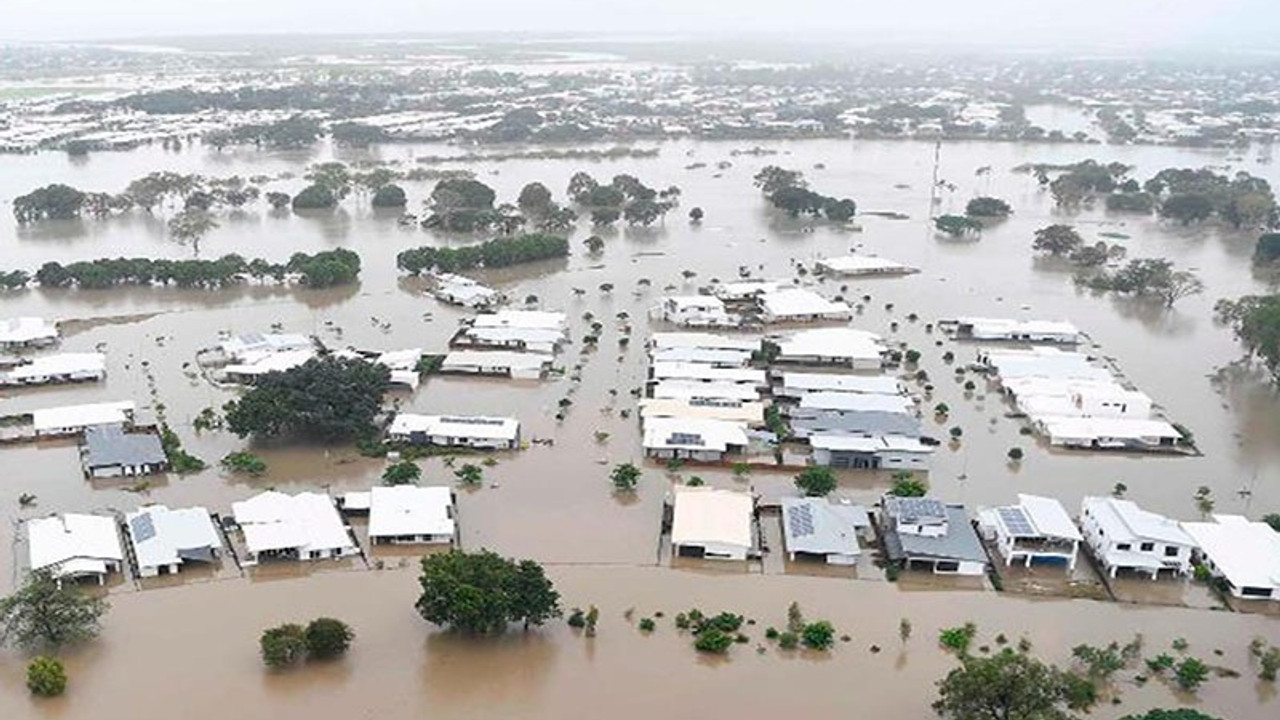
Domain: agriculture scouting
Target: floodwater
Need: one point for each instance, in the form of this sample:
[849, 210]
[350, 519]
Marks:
[552, 502]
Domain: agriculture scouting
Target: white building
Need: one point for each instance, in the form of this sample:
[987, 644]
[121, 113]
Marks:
[800, 305]
[163, 539]
[693, 311]
[525, 319]
[403, 366]
[251, 346]
[1043, 362]
[73, 419]
[711, 523]
[819, 528]
[63, 368]
[1036, 529]
[862, 265]
[746, 289]
[702, 372]
[1030, 331]
[305, 526]
[869, 453]
[707, 341]
[525, 339]
[737, 411]
[72, 546]
[702, 356]
[693, 438]
[703, 390]
[797, 384]
[407, 514]
[458, 290]
[257, 364]
[1123, 536]
[843, 347]
[1108, 433]
[26, 332]
[491, 433]
[516, 365]
[1244, 553]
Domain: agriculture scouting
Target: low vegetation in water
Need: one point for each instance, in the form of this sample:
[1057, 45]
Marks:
[46, 677]
[242, 462]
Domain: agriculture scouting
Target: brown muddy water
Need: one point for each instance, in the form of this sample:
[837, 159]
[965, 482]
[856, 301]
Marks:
[552, 502]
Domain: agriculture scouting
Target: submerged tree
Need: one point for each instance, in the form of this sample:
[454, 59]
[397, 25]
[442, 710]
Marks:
[1006, 686]
[328, 397]
[957, 225]
[816, 481]
[482, 592]
[46, 613]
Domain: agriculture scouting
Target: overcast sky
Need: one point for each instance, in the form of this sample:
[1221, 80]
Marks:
[1145, 23]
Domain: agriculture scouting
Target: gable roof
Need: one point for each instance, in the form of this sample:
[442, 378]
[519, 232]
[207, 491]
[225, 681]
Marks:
[707, 515]
[72, 543]
[410, 510]
[276, 521]
[820, 527]
[960, 543]
[1247, 553]
[161, 536]
[1123, 521]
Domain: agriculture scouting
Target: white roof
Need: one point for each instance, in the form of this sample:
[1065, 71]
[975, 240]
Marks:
[159, 534]
[821, 527]
[80, 416]
[456, 426]
[707, 515]
[63, 364]
[1247, 553]
[832, 342]
[1082, 428]
[863, 265]
[496, 358]
[240, 346]
[1002, 327]
[694, 389]
[702, 371]
[694, 302]
[733, 411]
[856, 402]
[356, 500]
[276, 521]
[57, 542]
[1045, 363]
[798, 302]
[872, 384]
[529, 335]
[465, 294]
[26, 329]
[410, 510]
[526, 319]
[1058, 387]
[746, 288]
[693, 434]
[400, 359]
[261, 363]
[1048, 516]
[709, 341]
[707, 356]
[1124, 521]
[877, 443]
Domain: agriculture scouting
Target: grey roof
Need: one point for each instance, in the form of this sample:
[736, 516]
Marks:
[108, 445]
[818, 526]
[871, 423]
[960, 543]
[914, 510]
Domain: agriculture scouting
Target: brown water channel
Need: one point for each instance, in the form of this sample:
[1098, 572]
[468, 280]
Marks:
[552, 502]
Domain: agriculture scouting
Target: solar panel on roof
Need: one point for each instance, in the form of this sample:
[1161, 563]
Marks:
[143, 528]
[800, 520]
[1016, 521]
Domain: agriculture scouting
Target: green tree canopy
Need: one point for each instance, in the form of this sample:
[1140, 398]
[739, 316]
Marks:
[51, 202]
[326, 397]
[1004, 686]
[327, 638]
[988, 207]
[482, 592]
[283, 645]
[816, 481]
[314, 197]
[46, 677]
[1057, 240]
[389, 196]
[44, 614]
[957, 225]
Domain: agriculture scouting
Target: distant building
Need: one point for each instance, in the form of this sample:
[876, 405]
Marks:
[862, 265]
[694, 311]
[841, 347]
[456, 431]
[711, 523]
[706, 341]
[459, 290]
[64, 368]
[516, 365]
[693, 439]
[1246, 554]
[924, 531]
[164, 540]
[73, 419]
[523, 330]
[799, 384]
[73, 546]
[26, 332]
[112, 451]
[819, 528]
[800, 305]
[1123, 536]
[702, 372]
[1003, 329]
[1036, 529]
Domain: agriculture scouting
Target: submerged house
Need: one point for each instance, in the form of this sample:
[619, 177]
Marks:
[702, 372]
[112, 451]
[26, 332]
[800, 305]
[697, 439]
[515, 365]
[1037, 529]
[693, 311]
[738, 411]
[706, 341]
[74, 419]
[74, 546]
[459, 290]
[1095, 433]
[861, 266]
[1123, 536]
[524, 330]
[799, 384]
[926, 532]
[1244, 553]
[407, 514]
[704, 390]
[711, 523]
[869, 452]
[841, 347]
[702, 356]
[305, 526]
[492, 433]
[63, 368]
[1005, 329]
[163, 540]
[825, 530]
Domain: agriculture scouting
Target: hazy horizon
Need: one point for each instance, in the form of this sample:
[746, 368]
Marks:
[1132, 24]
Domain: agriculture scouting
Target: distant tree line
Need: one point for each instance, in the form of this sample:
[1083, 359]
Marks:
[788, 191]
[499, 252]
[323, 269]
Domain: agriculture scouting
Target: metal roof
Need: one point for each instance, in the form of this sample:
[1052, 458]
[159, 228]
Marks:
[109, 445]
[960, 543]
[820, 527]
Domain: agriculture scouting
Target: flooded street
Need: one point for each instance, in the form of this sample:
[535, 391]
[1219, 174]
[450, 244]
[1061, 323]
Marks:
[552, 502]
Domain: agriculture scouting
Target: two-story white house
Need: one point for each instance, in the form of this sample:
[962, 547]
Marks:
[1123, 536]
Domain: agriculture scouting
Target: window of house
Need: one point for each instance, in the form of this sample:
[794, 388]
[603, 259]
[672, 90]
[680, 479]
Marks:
[1123, 546]
[1171, 551]
[1147, 547]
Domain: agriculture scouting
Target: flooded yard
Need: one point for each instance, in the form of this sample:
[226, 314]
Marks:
[191, 639]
